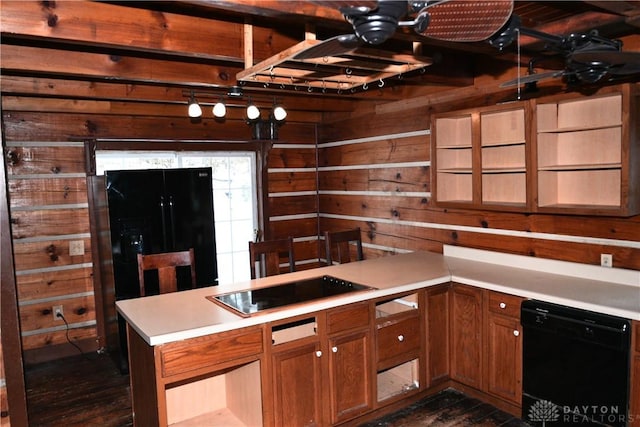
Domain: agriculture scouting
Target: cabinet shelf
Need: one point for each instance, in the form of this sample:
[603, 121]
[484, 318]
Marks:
[579, 128]
[231, 397]
[456, 170]
[454, 146]
[504, 170]
[398, 381]
[578, 167]
[503, 143]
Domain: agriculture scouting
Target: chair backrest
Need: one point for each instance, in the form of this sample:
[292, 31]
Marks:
[268, 255]
[166, 264]
[338, 246]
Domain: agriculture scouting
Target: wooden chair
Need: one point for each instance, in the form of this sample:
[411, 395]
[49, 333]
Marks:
[339, 242]
[166, 264]
[268, 254]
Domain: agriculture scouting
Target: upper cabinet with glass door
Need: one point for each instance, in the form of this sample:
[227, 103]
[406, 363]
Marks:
[480, 157]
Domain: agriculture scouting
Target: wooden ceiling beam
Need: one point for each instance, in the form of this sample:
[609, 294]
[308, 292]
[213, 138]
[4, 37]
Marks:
[54, 62]
[98, 24]
[629, 9]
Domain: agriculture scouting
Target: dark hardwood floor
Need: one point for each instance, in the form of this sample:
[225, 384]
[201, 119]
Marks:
[448, 408]
[85, 390]
[89, 390]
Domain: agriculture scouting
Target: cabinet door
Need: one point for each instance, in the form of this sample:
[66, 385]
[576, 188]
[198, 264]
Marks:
[504, 358]
[297, 392]
[350, 375]
[437, 314]
[466, 335]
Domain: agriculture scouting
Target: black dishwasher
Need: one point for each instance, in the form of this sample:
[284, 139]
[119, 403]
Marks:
[575, 366]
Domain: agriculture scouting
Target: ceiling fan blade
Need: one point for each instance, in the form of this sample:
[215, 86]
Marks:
[349, 7]
[338, 45]
[617, 62]
[531, 78]
[464, 20]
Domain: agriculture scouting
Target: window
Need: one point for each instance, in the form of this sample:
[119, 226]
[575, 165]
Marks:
[234, 197]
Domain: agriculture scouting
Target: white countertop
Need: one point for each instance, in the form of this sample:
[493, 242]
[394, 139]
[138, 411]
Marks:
[171, 317]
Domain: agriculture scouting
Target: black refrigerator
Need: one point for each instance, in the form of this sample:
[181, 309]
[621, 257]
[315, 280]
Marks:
[159, 210]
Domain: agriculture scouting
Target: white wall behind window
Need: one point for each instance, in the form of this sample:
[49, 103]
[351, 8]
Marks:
[234, 197]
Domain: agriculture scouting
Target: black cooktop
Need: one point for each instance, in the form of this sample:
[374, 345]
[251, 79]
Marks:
[253, 301]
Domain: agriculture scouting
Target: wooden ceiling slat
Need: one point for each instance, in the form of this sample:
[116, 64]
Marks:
[102, 24]
[100, 66]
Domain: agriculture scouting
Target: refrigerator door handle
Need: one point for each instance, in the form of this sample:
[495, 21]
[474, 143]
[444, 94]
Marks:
[173, 224]
[164, 224]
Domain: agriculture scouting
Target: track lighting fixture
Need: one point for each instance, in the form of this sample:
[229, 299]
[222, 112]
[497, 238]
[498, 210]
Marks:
[260, 128]
[194, 108]
[219, 109]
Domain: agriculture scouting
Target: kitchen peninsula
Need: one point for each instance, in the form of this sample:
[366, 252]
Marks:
[193, 361]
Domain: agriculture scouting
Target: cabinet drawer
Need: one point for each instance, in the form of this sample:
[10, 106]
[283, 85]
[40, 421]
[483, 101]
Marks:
[350, 317]
[636, 331]
[505, 304]
[198, 353]
[398, 341]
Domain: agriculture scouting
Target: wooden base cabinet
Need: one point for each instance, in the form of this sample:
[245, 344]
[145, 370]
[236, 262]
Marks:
[437, 334]
[466, 335]
[486, 343]
[349, 361]
[296, 371]
[399, 347]
[503, 341]
[210, 380]
[321, 367]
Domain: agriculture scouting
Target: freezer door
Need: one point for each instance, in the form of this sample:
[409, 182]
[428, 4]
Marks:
[135, 219]
[190, 213]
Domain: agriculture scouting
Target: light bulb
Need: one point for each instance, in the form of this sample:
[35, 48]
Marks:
[253, 112]
[219, 110]
[279, 113]
[194, 109]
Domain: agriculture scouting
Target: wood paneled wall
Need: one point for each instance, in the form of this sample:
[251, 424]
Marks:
[374, 174]
[49, 208]
[368, 170]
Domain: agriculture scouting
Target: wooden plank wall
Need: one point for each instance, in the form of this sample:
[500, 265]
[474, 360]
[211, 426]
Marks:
[49, 211]
[374, 174]
[48, 199]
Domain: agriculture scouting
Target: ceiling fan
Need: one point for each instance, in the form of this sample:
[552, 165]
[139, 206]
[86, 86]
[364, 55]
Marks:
[374, 22]
[586, 58]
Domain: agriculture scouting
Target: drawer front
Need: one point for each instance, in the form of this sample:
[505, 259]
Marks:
[505, 304]
[350, 317]
[636, 330]
[398, 340]
[198, 353]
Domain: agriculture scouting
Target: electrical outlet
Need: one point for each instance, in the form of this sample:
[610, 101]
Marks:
[76, 247]
[57, 309]
[606, 260]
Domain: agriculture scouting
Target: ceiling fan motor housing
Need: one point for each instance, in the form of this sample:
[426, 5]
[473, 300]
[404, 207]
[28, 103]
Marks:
[379, 25]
